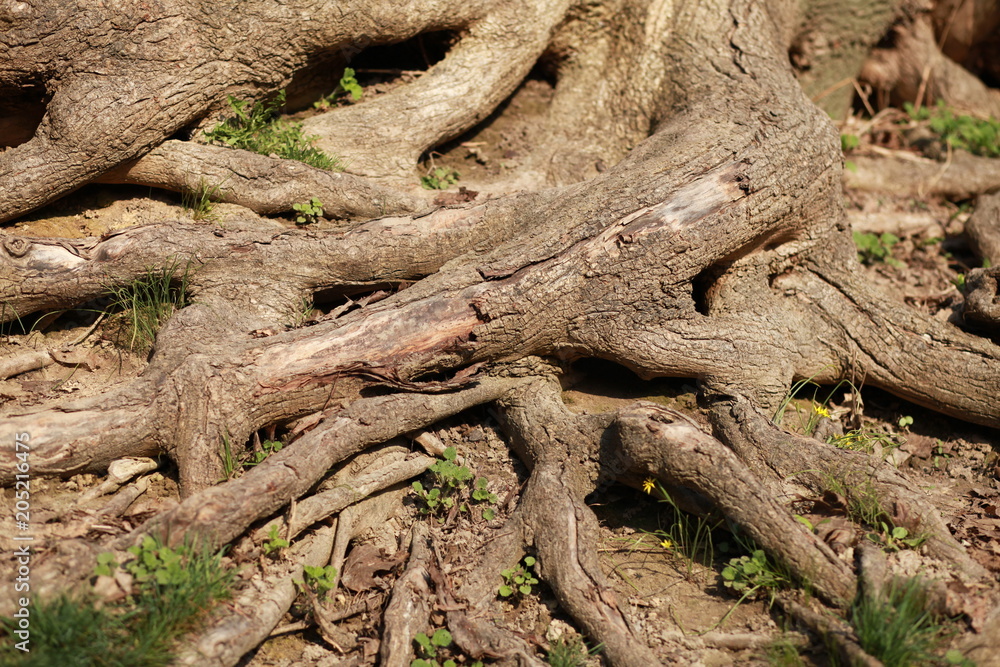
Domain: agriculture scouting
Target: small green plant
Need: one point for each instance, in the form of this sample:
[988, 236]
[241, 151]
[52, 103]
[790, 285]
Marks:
[348, 85]
[106, 565]
[448, 473]
[146, 303]
[955, 657]
[199, 202]
[308, 212]
[756, 573]
[896, 538]
[865, 508]
[979, 137]
[257, 128]
[156, 562]
[481, 494]
[320, 580]
[905, 421]
[439, 178]
[449, 478]
[267, 448]
[874, 248]
[848, 142]
[518, 579]
[896, 627]
[429, 650]
[274, 543]
[570, 652]
[432, 499]
[305, 311]
[939, 455]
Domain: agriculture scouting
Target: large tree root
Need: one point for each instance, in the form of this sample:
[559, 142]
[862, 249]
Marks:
[673, 449]
[963, 176]
[553, 518]
[263, 184]
[220, 513]
[386, 136]
[174, 73]
[346, 489]
[915, 70]
[778, 455]
[983, 228]
[716, 249]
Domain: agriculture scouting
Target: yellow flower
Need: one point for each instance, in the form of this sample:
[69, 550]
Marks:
[649, 485]
[821, 411]
[666, 544]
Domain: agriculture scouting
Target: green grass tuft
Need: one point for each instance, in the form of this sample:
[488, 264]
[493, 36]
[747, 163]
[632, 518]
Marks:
[570, 652]
[200, 201]
[897, 628]
[257, 128]
[146, 304]
[174, 589]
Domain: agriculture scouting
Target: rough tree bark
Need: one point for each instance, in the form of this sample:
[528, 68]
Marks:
[714, 248]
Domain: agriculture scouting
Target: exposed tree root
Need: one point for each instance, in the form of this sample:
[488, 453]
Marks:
[672, 448]
[715, 249]
[983, 227]
[650, 442]
[345, 490]
[982, 305]
[176, 73]
[263, 184]
[119, 473]
[480, 638]
[409, 609]
[831, 628]
[776, 454]
[235, 630]
[386, 136]
[220, 513]
[369, 514]
[962, 177]
[25, 362]
[859, 332]
[914, 70]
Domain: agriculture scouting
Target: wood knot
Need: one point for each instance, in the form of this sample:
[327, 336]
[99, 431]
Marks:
[16, 246]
